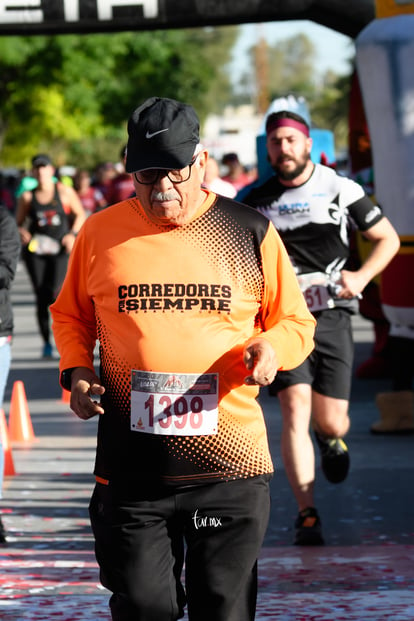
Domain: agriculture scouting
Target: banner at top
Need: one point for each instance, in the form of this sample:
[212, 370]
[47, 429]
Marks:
[27, 17]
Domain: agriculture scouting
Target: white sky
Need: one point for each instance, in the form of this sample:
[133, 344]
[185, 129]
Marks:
[333, 48]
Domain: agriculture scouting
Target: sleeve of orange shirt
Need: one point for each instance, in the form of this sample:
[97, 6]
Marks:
[287, 323]
[73, 313]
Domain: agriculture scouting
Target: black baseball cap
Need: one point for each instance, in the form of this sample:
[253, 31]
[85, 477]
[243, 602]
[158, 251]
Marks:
[162, 133]
[41, 160]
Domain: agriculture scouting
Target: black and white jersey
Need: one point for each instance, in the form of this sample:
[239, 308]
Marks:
[315, 221]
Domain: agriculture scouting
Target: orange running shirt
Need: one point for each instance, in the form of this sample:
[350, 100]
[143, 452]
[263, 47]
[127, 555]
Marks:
[180, 300]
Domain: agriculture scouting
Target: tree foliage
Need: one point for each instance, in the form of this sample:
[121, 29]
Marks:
[331, 107]
[292, 67]
[70, 95]
[292, 70]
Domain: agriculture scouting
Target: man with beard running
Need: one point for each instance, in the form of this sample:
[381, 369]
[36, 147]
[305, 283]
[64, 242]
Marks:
[314, 210]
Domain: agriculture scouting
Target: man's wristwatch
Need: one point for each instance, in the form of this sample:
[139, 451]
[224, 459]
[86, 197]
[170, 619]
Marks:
[66, 378]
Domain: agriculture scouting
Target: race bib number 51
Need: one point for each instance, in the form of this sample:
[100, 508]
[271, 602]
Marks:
[183, 404]
[317, 298]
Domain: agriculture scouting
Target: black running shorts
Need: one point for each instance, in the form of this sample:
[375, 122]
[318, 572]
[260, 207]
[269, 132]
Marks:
[328, 369]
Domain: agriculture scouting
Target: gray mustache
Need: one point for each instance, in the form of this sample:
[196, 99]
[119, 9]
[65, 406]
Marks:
[164, 196]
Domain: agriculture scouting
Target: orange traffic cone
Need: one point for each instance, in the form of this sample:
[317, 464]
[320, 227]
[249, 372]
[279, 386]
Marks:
[20, 424]
[65, 396]
[9, 470]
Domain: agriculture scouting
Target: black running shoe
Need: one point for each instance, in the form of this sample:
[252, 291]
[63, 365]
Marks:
[308, 528]
[334, 458]
[3, 540]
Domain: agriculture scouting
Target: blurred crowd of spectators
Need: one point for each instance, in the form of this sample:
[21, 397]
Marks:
[108, 183]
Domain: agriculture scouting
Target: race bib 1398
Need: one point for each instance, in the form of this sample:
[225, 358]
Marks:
[180, 404]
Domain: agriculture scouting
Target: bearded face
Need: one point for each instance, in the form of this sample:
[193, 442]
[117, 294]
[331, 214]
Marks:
[288, 152]
[289, 167]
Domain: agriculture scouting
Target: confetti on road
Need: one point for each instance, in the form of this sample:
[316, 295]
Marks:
[360, 583]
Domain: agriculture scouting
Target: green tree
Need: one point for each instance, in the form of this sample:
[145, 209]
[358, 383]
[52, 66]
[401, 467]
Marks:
[292, 63]
[331, 108]
[286, 67]
[289, 67]
[70, 95]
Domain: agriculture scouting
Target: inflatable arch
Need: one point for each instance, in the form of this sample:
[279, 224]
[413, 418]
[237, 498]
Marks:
[384, 58]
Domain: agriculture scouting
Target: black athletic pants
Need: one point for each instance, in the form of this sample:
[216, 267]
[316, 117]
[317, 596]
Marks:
[141, 544]
[47, 273]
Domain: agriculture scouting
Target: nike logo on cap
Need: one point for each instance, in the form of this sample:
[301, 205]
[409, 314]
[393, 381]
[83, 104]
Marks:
[152, 134]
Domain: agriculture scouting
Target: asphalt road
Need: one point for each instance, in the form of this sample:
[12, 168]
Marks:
[364, 571]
